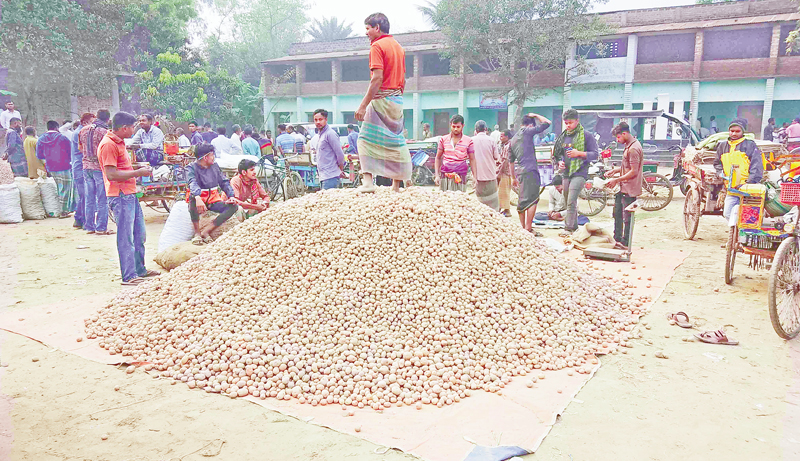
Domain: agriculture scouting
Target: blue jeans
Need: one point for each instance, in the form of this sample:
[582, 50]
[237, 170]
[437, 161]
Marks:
[332, 183]
[131, 235]
[96, 218]
[80, 196]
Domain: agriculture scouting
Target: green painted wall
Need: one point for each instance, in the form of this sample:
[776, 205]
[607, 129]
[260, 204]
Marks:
[725, 113]
[593, 95]
[785, 111]
[787, 89]
[650, 91]
[724, 91]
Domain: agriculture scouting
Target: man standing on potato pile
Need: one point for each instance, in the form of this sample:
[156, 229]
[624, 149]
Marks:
[522, 152]
[382, 147]
[120, 176]
[205, 182]
[454, 155]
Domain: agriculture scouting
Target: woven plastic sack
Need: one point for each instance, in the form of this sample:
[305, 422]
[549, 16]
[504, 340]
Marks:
[30, 199]
[49, 191]
[10, 208]
[177, 254]
[6, 173]
[178, 227]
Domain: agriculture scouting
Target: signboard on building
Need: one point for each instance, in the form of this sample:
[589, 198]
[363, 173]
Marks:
[493, 101]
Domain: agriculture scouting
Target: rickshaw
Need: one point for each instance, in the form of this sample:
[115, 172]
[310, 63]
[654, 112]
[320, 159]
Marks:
[705, 194]
[769, 241]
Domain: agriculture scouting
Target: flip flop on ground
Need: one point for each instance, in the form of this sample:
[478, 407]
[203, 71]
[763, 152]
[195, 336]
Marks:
[716, 337]
[108, 232]
[151, 273]
[680, 319]
[197, 240]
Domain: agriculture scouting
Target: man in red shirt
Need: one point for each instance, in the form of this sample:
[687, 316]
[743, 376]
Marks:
[381, 145]
[120, 181]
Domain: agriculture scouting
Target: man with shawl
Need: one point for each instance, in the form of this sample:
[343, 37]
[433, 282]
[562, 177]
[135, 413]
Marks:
[574, 150]
[523, 152]
[381, 145]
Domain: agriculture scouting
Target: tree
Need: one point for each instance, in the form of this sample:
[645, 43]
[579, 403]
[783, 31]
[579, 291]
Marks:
[520, 40]
[329, 29]
[793, 40]
[257, 30]
[53, 48]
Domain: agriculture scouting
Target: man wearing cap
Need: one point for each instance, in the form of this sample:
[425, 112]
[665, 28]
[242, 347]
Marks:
[205, 181]
[740, 162]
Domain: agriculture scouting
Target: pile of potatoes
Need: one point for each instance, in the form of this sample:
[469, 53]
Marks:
[368, 300]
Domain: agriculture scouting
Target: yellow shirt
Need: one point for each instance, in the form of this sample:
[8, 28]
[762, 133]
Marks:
[29, 146]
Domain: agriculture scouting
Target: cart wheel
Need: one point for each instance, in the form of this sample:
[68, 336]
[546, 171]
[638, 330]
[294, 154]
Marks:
[730, 253]
[167, 205]
[591, 201]
[684, 187]
[299, 183]
[656, 193]
[784, 290]
[289, 190]
[691, 212]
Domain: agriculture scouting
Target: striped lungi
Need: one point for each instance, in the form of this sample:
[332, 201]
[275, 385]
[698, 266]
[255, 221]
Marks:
[382, 147]
[453, 182]
[529, 189]
[486, 191]
[504, 192]
[66, 196]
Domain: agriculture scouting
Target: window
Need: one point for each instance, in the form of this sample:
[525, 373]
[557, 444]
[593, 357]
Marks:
[785, 29]
[409, 66]
[282, 73]
[433, 64]
[319, 72]
[356, 70]
[753, 42]
[615, 48]
[665, 48]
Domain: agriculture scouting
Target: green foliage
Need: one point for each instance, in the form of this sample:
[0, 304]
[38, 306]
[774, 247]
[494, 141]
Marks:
[257, 30]
[518, 39]
[329, 29]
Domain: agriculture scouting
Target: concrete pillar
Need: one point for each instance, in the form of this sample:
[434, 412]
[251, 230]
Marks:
[417, 113]
[336, 75]
[299, 115]
[648, 123]
[299, 77]
[678, 107]
[269, 118]
[627, 98]
[336, 114]
[698, 55]
[661, 122]
[694, 104]
[417, 68]
[462, 104]
[774, 50]
[768, 95]
[115, 105]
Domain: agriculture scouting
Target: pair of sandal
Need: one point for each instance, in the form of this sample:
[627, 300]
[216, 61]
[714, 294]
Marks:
[107, 232]
[712, 337]
[137, 280]
[197, 240]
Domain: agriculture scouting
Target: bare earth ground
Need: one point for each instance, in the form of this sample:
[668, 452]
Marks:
[704, 401]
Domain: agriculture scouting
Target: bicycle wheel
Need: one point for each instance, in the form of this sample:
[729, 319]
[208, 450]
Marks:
[656, 193]
[591, 202]
[684, 187]
[418, 176]
[730, 253]
[784, 290]
[691, 212]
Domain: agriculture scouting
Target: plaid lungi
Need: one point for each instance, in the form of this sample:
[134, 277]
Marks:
[66, 196]
[382, 148]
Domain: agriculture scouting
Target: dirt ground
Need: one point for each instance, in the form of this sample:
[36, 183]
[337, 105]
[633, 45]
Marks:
[703, 401]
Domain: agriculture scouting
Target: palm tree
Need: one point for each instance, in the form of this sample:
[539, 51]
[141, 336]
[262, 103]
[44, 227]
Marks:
[329, 29]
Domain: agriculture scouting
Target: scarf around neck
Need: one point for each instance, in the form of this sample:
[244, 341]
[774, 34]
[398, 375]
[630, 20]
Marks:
[578, 143]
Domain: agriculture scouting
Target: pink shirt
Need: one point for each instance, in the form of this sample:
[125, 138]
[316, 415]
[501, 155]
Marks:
[793, 130]
[455, 157]
[486, 157]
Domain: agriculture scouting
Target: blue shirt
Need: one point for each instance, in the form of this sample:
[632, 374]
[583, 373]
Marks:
[286, 142]
[352, 140]
[250, 147]
[197, 138]
[330, 157]
[76, 161]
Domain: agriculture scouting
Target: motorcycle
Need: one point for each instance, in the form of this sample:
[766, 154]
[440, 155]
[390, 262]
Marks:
[422, 173]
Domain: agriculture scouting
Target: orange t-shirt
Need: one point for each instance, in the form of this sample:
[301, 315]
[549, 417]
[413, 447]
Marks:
[111, 152]
[385, 53]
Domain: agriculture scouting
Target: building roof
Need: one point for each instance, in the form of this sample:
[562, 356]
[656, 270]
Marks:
[649, 20]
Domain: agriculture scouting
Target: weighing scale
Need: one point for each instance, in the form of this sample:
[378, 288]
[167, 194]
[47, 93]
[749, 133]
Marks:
[613, 254]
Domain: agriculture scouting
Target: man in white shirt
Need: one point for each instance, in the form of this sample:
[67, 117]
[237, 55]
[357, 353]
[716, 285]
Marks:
[222, 144]
[484, 167]
[148, 142]
[183, 141]
[495, 136]
[236, 140]
[5, 123]
[555, 202]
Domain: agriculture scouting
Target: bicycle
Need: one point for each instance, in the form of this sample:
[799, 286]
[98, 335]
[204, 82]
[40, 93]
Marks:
[280, 178]
[656, 192]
